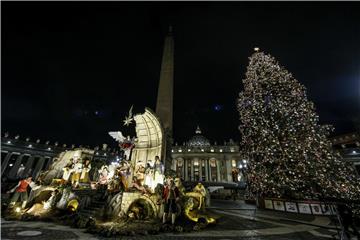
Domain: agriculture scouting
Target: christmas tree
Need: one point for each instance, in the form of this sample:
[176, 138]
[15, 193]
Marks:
[288, 150]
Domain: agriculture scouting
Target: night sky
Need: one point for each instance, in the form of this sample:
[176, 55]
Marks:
[71, 71]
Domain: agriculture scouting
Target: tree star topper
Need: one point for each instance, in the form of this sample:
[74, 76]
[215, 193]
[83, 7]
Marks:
[129, 118]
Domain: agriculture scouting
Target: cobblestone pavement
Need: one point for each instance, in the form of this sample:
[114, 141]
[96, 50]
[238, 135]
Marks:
[235, 223]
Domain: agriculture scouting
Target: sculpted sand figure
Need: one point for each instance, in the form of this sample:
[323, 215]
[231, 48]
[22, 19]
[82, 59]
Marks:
[67, 171]
[84, 177]
[103, 178]
[170, 198]
[199, 193]
[20, 190]
[125, 171]
[149, 176]
[39, 209]
[77, 169]
[158, 172]
[140, 174]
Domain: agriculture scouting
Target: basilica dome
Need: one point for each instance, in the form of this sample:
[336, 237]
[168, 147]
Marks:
[198, 140]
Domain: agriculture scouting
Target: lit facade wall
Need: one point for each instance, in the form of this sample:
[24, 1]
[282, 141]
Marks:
[208, 163]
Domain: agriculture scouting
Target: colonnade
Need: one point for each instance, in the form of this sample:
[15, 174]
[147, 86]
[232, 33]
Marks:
[16, 165]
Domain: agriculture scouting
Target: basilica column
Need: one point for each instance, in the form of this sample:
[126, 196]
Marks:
[186, 169]
[206, 169]
[173, 164]
[209, 165]
[192, 169]
[200, 169]
[183, 169]
[229, 170]
[218, 177]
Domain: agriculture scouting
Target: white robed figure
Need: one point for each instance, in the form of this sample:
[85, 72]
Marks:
[158, 172]
[149, 175]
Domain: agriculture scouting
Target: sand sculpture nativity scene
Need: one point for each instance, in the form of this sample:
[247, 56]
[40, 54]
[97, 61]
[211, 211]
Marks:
[130, 196]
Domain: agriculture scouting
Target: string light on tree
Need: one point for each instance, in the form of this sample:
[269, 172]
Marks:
[289, 154]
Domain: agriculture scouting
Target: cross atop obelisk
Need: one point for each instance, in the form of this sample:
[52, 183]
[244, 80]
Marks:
[164, 105]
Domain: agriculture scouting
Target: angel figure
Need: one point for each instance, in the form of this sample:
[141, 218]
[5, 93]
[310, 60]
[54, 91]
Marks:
[126, 144]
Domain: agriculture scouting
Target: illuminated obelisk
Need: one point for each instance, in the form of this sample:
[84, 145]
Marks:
[164, 105]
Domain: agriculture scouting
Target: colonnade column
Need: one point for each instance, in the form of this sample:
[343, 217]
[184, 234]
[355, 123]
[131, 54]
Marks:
[173, 163]
[38, 167]
[15, 168]
[48, 163]
[192, 169]
[28, 166]
[5, 162]
[206, 169]
[228, 170]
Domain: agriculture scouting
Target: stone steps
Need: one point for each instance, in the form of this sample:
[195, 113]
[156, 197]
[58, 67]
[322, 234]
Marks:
[96, 203]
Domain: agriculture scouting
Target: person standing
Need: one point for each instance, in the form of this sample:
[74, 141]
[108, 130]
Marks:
[347, 220]
[170, 196]
[21, 191]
